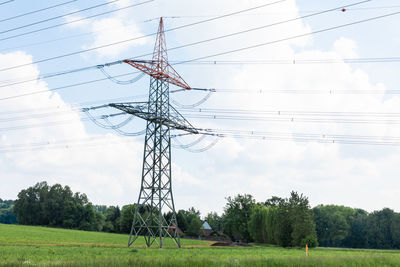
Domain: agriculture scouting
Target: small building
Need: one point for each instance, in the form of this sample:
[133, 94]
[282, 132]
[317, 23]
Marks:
[172, 230]
[206, 228]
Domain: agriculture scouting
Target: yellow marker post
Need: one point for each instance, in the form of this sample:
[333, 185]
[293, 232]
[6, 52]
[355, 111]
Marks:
[306, 250]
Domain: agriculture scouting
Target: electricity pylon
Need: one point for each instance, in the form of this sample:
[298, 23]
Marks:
[155, 197]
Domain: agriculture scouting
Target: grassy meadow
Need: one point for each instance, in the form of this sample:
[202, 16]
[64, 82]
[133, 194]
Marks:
[42, 246]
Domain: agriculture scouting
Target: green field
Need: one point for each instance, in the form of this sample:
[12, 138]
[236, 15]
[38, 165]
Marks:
[41, 246]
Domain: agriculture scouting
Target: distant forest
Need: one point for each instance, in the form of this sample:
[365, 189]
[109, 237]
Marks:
[6, 212]
[287, 222]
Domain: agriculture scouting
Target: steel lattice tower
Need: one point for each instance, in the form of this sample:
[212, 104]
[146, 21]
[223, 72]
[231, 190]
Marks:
[155, 197]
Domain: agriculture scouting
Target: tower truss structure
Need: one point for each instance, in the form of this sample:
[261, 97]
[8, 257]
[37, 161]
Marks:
[155, 197]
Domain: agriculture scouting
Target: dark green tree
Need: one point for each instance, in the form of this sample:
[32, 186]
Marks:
[289, 222]
[6, 212]
[182, 221]
[127, 214]
[56, 206]
[237, 216]
[215, 221]
[380, 229]
[112, 219]
[357, 236]
[257, 223]
[302, 221]
[333, 224]
[193, 221]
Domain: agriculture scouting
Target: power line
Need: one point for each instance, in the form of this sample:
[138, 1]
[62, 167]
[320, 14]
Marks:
[148, 20]
[90, 142]
[273, 13]
[76, 20]
[204, 57]
[294, 116]
[222, 133]
[255, 91]
[6, 2]
[293, 37]
[65, 38]
[257, 62]
[38, 10]
[286, 134]
[293, 119]
[320, 138]
[55, 123]
[208, 111]
[375, 7]
[247, 62]
[299, 91]
[57, 17]
[83, 34]
[179, 47]
[143, 36]
[178, 17]
[222, 114]
[291, 61]
[291, 112]
[73, 106]
[64, 87]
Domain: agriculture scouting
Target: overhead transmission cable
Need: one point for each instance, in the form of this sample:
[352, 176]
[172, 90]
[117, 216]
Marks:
[288, 112]
[301, 137]
[210, 62]
[66, 37]
[90, 142]
[227, 52]
[225, 114]
[65, 86]
[219, 133]
[293, 61]
[73, 21]
[56, 123]
[175, 17]
[72, 106]
[291, 37]
[299, 91]
[183, 26]
[180, 27]
[38, 10]
[6, 2]
[57, 17]
[145, 36]
[175, 48]
[55, 111]
[293, 119]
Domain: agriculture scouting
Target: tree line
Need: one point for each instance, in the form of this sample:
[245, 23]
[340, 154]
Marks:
[6, 212]
[287, 222]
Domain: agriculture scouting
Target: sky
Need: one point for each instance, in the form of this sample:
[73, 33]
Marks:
[45, 137]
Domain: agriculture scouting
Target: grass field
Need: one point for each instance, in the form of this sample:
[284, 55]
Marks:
[41, 246]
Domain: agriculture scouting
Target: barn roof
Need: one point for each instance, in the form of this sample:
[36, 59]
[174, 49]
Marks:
[206, 226]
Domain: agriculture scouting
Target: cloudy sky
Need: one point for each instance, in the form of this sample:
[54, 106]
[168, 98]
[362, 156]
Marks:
[44, 136]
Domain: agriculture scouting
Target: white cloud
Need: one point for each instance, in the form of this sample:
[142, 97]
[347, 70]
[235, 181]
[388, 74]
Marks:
[102, 169]
[346, 48]
[120, 3]
[116, 31]
[113, 29]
